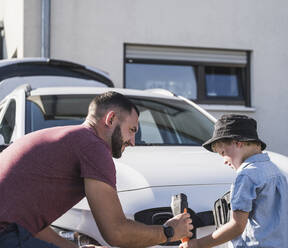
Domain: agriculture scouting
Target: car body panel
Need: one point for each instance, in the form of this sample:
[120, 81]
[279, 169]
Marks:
[169, 169]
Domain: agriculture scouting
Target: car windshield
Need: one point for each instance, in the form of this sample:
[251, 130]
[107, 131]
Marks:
[161, 122]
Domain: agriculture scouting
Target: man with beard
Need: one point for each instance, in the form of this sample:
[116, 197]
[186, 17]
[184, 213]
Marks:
[45, 173]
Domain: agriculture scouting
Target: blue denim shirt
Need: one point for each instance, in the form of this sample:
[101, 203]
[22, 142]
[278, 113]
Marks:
[262, 190]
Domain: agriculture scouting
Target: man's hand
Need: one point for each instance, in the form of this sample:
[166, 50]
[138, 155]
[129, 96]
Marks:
[182, 225]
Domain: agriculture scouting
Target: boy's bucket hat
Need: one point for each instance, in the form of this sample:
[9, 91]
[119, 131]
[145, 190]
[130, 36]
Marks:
[232, 126]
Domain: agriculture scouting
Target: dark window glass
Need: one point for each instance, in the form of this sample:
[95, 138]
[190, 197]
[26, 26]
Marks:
[179, 79]
[1, 40]
[55, 111]
[168, 122]
[7, 124]
[223, 82]
[205, 76]
[161, 121]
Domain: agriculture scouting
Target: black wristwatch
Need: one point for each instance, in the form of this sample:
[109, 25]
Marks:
[168, 231]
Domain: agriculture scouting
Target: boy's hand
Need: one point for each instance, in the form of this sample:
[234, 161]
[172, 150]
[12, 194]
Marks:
[191, 244]
[184, 245]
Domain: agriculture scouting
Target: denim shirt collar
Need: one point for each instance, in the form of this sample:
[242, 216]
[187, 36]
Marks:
[259, 157]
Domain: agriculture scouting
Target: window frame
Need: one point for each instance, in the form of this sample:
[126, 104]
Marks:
[1, 40]
[199, 67]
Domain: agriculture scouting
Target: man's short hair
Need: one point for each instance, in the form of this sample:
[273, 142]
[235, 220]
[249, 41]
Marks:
[111, 99]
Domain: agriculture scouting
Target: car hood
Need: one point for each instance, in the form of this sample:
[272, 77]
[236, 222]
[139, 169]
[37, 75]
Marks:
[154, 166]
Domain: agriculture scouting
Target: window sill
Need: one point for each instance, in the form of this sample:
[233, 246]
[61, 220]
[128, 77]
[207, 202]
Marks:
[228, 108]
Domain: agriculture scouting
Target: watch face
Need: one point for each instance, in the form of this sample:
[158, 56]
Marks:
[168, 231]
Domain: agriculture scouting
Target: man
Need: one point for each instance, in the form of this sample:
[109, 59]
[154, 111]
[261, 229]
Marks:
[45, 173]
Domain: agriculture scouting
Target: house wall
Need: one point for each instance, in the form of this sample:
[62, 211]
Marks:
[94, 32]
[11, 14]
[32, 28]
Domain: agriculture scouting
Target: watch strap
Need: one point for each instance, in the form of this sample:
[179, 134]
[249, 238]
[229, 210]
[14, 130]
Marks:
[168, 232]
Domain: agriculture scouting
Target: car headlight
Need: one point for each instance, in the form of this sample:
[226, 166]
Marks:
[79, 239]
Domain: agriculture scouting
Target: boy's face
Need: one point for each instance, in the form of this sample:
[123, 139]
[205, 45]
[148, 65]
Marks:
[230, 151]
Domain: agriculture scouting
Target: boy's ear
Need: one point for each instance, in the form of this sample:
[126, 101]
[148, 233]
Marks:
[109, 118]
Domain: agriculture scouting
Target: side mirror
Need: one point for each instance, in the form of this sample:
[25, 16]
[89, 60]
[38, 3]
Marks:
[2, 143]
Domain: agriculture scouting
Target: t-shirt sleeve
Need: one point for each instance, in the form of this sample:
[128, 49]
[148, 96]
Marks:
[243, 192]
[96, 162]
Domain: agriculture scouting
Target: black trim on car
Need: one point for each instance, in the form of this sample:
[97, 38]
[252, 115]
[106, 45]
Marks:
[3, 147]
[1, 40]
[158, 216]
[51, 67]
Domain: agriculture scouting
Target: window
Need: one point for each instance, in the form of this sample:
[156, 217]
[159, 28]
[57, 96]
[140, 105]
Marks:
[50, 111]
[207, 76]
[176, 78]
[1, 39]
[8, 122]
[162, 121]
[168, 122]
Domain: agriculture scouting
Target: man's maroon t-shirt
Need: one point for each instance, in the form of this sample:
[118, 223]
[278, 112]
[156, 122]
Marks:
[42, 174]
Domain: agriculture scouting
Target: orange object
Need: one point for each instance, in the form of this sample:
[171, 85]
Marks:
[186, 239]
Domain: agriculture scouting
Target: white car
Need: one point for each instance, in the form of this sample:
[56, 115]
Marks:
[167, 160]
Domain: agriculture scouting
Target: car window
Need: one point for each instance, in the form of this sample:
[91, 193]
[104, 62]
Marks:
[161, 122]
[36, 119]
[171, 122]
[149, 129]
[7, 124]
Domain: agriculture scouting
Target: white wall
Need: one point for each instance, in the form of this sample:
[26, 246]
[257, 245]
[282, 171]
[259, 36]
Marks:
[94, 31]
[1, 9]
[32, 28]
[12, 16]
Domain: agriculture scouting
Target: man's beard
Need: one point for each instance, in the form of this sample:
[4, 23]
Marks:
[117, 142]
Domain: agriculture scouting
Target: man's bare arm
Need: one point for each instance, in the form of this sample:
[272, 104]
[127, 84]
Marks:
[122, 232]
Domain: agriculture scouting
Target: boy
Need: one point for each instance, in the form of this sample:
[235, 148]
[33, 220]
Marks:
[259, 195]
